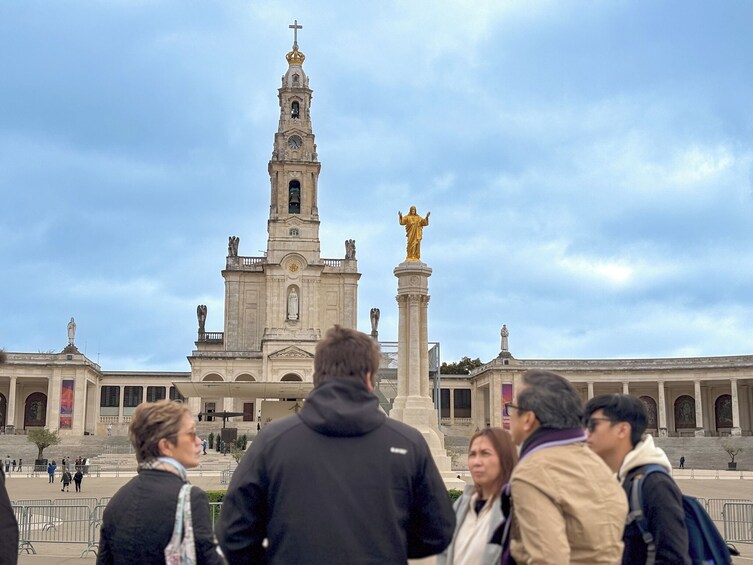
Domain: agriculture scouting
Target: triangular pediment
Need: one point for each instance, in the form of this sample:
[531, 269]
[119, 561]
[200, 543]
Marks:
[291, 352]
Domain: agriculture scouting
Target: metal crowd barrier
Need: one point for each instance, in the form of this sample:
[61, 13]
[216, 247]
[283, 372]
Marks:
[715, 506]
[738, 522]
[225, 476]
[214, 511]
[59, 521]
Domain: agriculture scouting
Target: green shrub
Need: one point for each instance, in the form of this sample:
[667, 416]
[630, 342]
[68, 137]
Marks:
[211, 440]
[216, 495]
[454, 494]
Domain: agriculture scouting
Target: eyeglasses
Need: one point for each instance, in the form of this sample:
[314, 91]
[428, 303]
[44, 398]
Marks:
[192, 434]
[509, 405]
[591, 423]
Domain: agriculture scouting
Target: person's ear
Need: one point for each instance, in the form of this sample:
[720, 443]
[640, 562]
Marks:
[165, 448]
[368, 381]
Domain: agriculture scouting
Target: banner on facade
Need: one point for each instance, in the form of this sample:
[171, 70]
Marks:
[506, 397]
[66, 405]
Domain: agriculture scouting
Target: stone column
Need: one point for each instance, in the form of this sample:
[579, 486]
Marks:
[590, 390]
[10, 420]
[662, 411]
[736, 431]
[452, 405]
[625, 388]
[120, 407]
[698, 409]
[413, 405]
[49, 422]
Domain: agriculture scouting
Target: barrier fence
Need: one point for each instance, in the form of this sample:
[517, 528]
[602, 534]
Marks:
[79, 520]
[738, 522]
[58, 521]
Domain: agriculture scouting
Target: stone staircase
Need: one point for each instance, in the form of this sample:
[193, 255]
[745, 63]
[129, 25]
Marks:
[706, 452]
[18, 446]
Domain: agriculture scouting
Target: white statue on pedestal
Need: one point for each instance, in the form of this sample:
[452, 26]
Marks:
[293, 304]
[71, 331]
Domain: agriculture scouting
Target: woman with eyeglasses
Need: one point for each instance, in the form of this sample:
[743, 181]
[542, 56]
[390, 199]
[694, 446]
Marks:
[491, 458]
[138, 522]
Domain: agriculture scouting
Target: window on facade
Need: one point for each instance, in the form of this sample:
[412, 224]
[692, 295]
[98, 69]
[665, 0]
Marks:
[294, 197]
[293, 232]
[444, 397]
[155, 393]
[462, 403]
[295, 110]
[109, 401]
[110, 397]
[132, 396]
[175, 395]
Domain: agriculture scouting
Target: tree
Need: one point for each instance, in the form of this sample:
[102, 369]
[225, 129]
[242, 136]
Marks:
[43, 438]
[732, 448]
[462, 367]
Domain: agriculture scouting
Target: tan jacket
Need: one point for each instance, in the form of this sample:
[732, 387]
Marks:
[567, 508]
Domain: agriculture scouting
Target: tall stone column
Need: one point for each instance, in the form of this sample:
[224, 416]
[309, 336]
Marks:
[662, 411]
[413, 404]
[625, 388]
[736, 431]
[590, 390]
[698, 409]
[10, 420]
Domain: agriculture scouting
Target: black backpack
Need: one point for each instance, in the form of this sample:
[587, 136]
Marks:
[707, 547]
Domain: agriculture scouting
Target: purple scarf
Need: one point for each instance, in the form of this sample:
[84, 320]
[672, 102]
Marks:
[540, 439]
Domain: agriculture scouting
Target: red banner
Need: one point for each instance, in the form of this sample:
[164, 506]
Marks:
[66, 405]
[506, 397]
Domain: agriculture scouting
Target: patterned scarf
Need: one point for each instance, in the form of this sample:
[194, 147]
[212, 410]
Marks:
[165, 464]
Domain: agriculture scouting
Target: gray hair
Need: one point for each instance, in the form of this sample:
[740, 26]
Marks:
[553, 399]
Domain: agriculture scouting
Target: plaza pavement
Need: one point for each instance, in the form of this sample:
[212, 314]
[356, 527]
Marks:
[21, 487]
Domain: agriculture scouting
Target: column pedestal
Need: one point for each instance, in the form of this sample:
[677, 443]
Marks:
[413, 405]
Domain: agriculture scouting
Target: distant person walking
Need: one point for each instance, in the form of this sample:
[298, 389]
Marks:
[682, 462]
[20, 464]
[77, 479]
[7, 464]
[204, 446]
[51, 471]
[66, 479]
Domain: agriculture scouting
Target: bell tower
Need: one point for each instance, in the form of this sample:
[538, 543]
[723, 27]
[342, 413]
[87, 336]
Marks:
[294, 168]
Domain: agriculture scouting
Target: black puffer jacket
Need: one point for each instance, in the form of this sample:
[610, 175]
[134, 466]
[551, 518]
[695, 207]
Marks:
[337, 483]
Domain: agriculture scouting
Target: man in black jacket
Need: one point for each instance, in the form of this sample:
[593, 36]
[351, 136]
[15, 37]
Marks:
[339, 482]
[616, 425]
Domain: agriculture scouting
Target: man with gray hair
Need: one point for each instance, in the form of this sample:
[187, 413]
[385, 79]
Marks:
[564, 503]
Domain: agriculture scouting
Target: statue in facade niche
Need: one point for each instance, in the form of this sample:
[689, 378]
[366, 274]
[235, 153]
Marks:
[414, 231]
[504, 334]
[201, 314]
[293, 304]
[232, 245]
[71, 331]
[350, 248]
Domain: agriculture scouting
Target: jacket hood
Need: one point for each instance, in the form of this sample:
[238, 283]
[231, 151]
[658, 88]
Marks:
[644, 453]
[342, 407]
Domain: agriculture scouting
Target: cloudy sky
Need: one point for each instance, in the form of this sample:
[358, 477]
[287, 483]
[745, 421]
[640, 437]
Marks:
[588, 167]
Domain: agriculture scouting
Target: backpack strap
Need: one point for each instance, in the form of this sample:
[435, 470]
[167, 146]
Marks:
[636, 513]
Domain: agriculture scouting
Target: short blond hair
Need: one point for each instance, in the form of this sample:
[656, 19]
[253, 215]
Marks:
[152, 422]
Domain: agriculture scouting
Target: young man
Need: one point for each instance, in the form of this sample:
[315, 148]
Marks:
[616, 425]
[566, 506]
[338, 482]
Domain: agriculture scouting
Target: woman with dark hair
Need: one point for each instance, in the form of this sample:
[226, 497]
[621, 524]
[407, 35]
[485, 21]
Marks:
[491, 458]
[138, 523]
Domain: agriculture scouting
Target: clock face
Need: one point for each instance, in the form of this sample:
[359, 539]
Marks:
[295, 142]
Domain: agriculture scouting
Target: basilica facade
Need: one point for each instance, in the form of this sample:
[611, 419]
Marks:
[277, 306]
